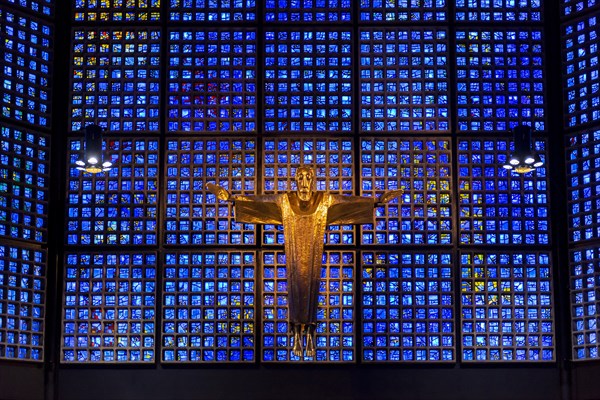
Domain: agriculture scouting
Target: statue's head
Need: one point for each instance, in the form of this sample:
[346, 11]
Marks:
[304, 182]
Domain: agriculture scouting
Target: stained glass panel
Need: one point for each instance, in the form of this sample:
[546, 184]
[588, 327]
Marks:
[581, 91]
[22, 303]
[403, 10]
[497, 206]
[42, 7]
[404, 80]
[108, 307]
[117, 10]
[212, 81]
[193, 215]
[118, 206]
[583, 169]
[308, 81]
[24, 183]
[500, 79]
[506, 306]
[115, 79]
[307, 11]
[570, 8]
[217, 11]
[25, 60]
[335, 337]
[407, 306]
[209, 307]
[585, 282]
[500, 10]
[332, 160]
[422, 168]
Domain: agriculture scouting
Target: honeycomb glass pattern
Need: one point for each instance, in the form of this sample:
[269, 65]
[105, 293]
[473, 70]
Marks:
[194, 215]
[422, 168]
[583, 175]
[212, 81]
[403, 10]
[308, 81]
[571, 8]
[497, 206]
[115, 79]
[499, 10]
[404, 80]
[118, 207]
[407, 307]
[585, 282]
[109, 308]
[26, 59]
[332, 161]
[22, 303]
[24, 184]
[307, 11]
[42, 7]
[581, 93]
[335, 337]
[116, 10]
[209, 307]
[217, 11]
[500, 79]
[506, 306]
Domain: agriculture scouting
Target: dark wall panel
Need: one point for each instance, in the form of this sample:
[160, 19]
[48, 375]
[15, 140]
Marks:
[21, 382]
[586, 385]
[296, 382]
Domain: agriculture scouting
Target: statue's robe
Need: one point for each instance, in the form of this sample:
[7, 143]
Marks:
[304, 226]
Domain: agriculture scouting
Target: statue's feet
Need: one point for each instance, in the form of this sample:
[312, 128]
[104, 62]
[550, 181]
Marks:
[297, 349]
[310, 345]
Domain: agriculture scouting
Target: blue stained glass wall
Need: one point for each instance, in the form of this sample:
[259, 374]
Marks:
[212, 81]
[193, 215]
[422, 169]
[209, 307]
[212, 11]
[581, 74]
[585, 281]
[506, 306]
[500, 79]
[253, 91]
[26, 63]
[404, 80]
[40, 7]
[573, 8]
[115, 79]
[24, 183]
[22, 303]
[116, 10]
[407, 306]
[118, 207]
[402, 10]
[497, 206]
[109, 307]
[308, 81]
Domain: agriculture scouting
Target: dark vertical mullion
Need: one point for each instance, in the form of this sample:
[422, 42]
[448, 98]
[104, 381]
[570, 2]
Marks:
[558, 190]
[355, 50]
[57, 201]
[454, 137]
[259, 174]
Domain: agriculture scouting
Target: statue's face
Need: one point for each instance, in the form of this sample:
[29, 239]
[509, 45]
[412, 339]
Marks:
[304, 183]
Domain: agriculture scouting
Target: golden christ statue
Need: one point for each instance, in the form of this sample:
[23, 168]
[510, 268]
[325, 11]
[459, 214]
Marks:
[304, 215]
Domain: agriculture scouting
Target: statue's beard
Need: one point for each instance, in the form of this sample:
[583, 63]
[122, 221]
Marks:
[304, 195]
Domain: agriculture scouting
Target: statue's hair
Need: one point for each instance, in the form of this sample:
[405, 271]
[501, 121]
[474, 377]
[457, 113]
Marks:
[306, 168]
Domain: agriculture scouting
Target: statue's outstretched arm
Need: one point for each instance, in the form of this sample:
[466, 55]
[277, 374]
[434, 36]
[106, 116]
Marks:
[219, 191]
[388, 196]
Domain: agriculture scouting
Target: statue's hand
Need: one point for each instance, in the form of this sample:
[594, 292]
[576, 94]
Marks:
[386, 197]
[220, 192]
